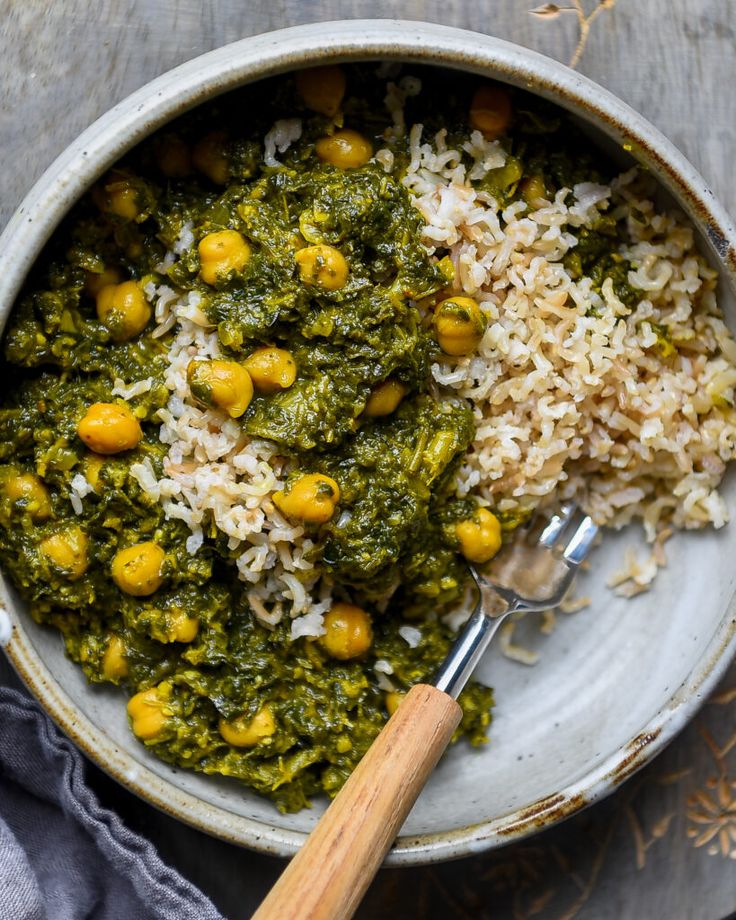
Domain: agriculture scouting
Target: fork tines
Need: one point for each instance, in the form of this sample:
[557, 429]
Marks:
[571, 532]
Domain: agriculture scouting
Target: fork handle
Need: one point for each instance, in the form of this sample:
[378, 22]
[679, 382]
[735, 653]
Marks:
[328, 877]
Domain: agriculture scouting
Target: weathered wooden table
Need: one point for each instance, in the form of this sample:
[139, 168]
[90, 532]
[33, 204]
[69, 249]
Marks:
[664, 846]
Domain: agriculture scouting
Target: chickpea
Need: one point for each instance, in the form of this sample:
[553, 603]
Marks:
[182, 628]
[271, 369]
[322, 88]
[149, 711]
[223, 384]
[385, 399]
[221, 254]
[67, 550]
[95, 281]
[117, 196]
[490, 111]
[92, 467]
[114, 663]
[240, 733]
[322, 266]
[136, 570]
[392, 700]
[123, 309]
[348, 632]
[312, 499]
[173, 157]
[532, 189]
[210, 158]
[345, 149]
[109, 428]
[29, 489]
[480, 536]
[124, 201]
[459, 325]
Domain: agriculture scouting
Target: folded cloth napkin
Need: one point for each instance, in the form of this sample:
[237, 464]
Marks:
[63, 856]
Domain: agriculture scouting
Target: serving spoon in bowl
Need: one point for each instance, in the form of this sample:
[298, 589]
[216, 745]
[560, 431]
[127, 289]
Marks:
[328, 877]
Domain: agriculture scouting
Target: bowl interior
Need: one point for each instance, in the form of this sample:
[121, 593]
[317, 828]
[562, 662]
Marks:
[606, 674]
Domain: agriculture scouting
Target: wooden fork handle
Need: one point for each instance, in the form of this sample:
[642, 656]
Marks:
[328, 877]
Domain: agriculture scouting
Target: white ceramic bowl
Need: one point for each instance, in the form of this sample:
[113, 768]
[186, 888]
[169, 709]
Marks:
[616, 681]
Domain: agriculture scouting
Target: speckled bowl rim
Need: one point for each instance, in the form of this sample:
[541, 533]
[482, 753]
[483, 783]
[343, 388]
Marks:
[253, 58]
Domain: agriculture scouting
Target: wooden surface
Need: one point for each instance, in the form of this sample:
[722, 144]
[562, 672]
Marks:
[665, 845]
[328, 877]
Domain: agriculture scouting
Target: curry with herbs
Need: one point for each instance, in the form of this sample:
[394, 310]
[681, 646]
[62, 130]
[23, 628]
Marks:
[329, 313]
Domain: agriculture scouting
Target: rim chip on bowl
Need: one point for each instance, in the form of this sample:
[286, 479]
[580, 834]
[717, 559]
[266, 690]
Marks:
[616, 683]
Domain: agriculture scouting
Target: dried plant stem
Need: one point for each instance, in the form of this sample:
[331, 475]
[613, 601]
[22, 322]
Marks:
[551, 11]
[585, 24]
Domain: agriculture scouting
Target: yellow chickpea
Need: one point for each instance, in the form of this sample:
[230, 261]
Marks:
[348, 632]
[459, 325]
[480, 536]
[173, 157]
[392, 700]
[29, 489]
[240, 733]
[136, 570]
[67, 550]
[345, 149]
[385, 398]
[124, 201]
[271, 369]
[118, 196]
[223, 384]
[322, 266]
[210, 158]
[182, 627]
[109, 428]
[222, 253]
[114, 663]
[95, 281]
[312, 499]
[490, 111]
[533, 189]
[322, 88]
[123, 309]
[149, 711]
[91, 468]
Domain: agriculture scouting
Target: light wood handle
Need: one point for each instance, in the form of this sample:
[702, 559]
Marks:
[328, 877]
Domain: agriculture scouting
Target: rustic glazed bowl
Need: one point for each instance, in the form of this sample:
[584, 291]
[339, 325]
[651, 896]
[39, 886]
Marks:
[615, 683]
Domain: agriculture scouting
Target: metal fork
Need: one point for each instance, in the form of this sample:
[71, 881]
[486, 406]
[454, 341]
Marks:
[327, 878]
[531, 573]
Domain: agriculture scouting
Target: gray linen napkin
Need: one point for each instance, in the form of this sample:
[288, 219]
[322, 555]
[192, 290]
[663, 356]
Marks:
[63, 856]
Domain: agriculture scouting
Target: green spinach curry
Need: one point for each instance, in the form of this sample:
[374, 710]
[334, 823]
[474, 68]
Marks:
[312, 273]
